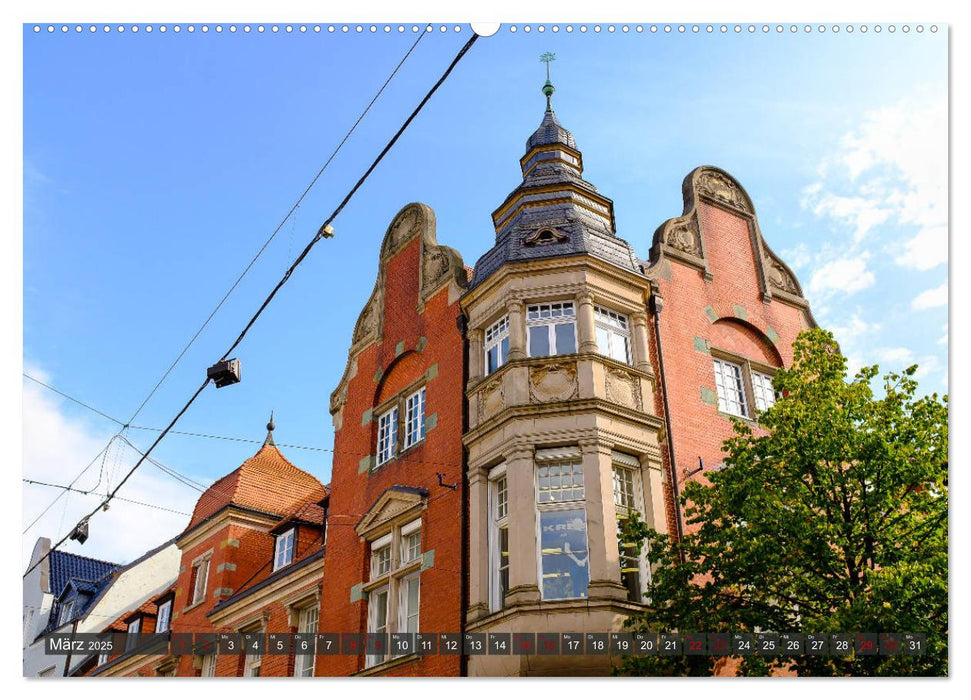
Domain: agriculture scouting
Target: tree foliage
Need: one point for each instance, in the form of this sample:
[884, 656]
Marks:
[829, 516]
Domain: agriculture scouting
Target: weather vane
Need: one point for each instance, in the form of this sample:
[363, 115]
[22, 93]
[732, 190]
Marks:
[548, 88]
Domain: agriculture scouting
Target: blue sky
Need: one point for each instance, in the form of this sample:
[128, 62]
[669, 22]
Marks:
[155, 165]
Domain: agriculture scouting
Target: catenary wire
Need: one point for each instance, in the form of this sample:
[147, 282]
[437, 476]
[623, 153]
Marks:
[92, 493]
[250, 265]
[320, 234]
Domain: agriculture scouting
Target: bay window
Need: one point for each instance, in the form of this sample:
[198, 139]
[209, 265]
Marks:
[498, 538]
[564, 561]
[627, 501]
[613, 334]
[551, 329]
[496, 345]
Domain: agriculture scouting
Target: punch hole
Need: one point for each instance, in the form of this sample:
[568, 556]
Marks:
[934, 29]
[610, 28]
[878, 29]
[653, 29]
[541, 29]
[625, 29]
[569, 29]
[695, 28]
[583, 28]
[751, 29]
[709, 29]
[527, 29]
[512, 29]
[555, 28]
[191, 29]
[667, 29]
[765, 29]
[681, 29]
[639, 29]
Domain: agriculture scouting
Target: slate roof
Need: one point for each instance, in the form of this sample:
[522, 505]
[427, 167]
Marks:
[266, 482]
[554, 195]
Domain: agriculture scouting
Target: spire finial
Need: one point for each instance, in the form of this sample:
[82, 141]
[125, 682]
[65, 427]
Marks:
[548, 88]
[269, 431]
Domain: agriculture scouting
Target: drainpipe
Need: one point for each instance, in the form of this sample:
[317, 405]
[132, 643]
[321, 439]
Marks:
[657, 303]
[464, 567]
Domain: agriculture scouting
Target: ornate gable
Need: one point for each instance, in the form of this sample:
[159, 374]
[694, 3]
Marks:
[440, 265]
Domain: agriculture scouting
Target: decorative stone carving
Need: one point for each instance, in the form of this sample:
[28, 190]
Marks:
[405, 225]
[780, 277]
[722, 188]
[623, 388]
[684, 236]
[491, 399]
[553, 381]
[367, 322]
[434, 269]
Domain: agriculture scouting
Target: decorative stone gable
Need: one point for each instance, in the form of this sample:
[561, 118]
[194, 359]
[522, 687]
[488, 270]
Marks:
[394, 504]
[440, 265]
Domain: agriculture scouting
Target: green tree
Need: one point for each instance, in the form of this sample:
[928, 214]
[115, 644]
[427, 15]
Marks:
[830, 516]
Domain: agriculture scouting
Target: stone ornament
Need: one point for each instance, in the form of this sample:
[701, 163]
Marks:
[491, 399]
[780, 277]
[723, 189]
[683, 235]
[553, 381]
[404, 226]
[623, 388]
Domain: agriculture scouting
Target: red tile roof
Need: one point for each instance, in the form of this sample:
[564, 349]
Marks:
[266, 482]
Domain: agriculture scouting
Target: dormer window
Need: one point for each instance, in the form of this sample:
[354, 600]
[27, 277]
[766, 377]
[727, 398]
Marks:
[134, 627]
[164, 617]
[545, 236]
[66, 610]
[283, 553]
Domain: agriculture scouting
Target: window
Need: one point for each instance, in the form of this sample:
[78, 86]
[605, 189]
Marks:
[283, 552]
[131, 640]
[208, 666]
[627, 500]
[393, 599]
[102, 659]
[743, 390]
[551, 329]
[613, 334]
[730, 387]
[200, 577]
[563, 554]
[415, 418]
[303, 666]
[254, 659]
[65, 615]
[763, 391]
[496, 345]
[164, 617]
[499, 539]
[387, 435]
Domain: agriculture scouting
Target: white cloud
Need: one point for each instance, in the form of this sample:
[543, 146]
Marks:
[56, 447]
[891, 169]
[846, 275]
[943, 339]
[930, 298]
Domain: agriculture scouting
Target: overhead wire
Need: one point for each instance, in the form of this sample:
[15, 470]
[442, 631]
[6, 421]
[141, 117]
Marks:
[321, 233]
[259, 253]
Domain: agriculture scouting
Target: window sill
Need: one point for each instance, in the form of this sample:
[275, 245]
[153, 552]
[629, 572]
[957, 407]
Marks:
[193, 606]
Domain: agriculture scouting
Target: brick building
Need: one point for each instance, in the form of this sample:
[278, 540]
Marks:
[492, 426]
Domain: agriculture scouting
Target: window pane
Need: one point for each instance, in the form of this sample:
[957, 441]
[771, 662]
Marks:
[603, 341]
[565, 339]
[731, 390]
[387, 435]
[503, 564]
[563, 550]
[502, 502]
[560, 481]
[492, 359]
[762, 388]
[620, 348]
[415, 418]
[539, 341]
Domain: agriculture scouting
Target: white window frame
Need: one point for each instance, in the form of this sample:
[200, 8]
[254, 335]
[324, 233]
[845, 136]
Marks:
[728, 372]
[284, 548]
[414, 419]
[208, 666]
[387, 436]
[535, 319]
[494, 336]
[131, 636]
[164, 621]
[103, 658]
[394, 582]
[199, 591]
[252, 663]
[762, 390]
[405, 613]
[307, 619]
[630, 466]
[64, 614]
[559, 457]
[498, 521]
[616, 329]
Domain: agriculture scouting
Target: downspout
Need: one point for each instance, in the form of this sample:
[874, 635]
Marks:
[464, 566]
[657, 303]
